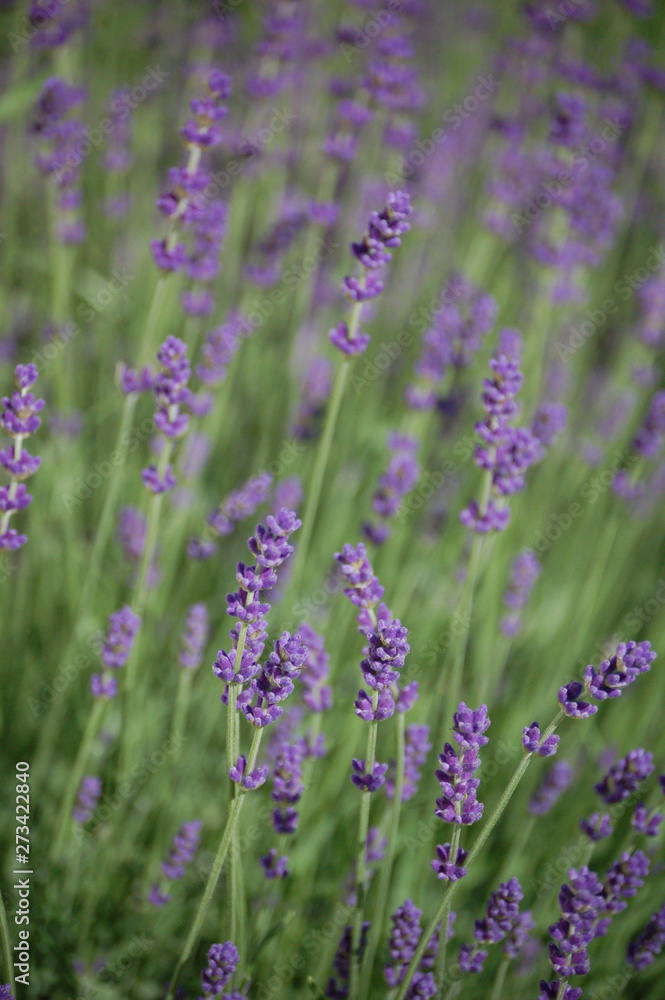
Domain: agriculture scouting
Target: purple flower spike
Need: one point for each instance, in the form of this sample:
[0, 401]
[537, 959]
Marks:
[274, 867]
[645, 821]
[250, 781]
[222, 962]
[572, 703]
[597, 826]
[339, 337]
[447, 870]
[613, 675]
[554, 784]
[19, 420]
[469, 725]
[194, 637]
[531, 741]
[88, 797]
[648, 944]
[550, 991]
[368, 782]
[471, 960]
[626, 776]
[362, 587]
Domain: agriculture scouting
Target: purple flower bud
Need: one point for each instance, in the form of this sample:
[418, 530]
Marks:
[447, 870]
[365, 781]
[531, 741]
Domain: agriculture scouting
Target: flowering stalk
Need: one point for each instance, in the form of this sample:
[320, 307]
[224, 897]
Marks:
[451, 888]
[384, 231]
[217, 865]
[386, 870]
[361, 855]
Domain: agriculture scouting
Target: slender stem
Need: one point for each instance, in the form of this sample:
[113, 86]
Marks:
[6, 944]
[500, 980]
[384, 882]
[561, 992]
[182, 701]
[361, 859]
[451, 887]
[318, 473]
[440, 970]
[215, 872]
[76, 774]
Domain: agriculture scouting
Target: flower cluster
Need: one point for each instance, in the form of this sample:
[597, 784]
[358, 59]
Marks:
[506, 451]
[238, 505]
[404, 938]
[587, 906]
[222, 962]
[607, 681]
[19, 420]
[171, 392]
[416, 748]
[315, 671]
[463, 318]
[271, 683]
[502, 921]
[551, 788]
[384, 232]
[184, 848]
[189, 201]
[61, 158]
[194, 637]
[648, 944]
[88, 796]
[338, 985]
[399, 479]
[524, 573]
[122, 630]
[458, 803]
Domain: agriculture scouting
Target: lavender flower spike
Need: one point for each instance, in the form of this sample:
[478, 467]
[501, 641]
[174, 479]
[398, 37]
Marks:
[19, 420]
[185, 845]
[222, 962]
[122, 630]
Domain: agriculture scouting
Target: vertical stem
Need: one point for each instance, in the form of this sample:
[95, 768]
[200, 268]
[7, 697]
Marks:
[451, 887]
[440, 971]
[497, 989]
[213, 878]
[182, 701]
[6, 944]
[318, 473]
[76, 774]
[361, 859]
[367, 964]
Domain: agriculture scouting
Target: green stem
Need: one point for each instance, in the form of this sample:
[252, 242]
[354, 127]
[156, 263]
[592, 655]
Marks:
[561, 992]
[216, 870]
[76, 774]
[318, 473]
[451, 887]
[384, 882]
[440, 970]
[182, 701]
[500, 980]
[6, 945]
[361, 860]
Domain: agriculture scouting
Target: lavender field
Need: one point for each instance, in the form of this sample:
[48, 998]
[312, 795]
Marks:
[332, 554]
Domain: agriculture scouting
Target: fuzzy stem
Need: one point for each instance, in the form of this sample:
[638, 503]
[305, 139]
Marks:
[76, 774]
[440, 970]
[6, 945]
[386, 871]
[451, 887]
[215, 872]
[361, 860]
[561, 992]
[182, 701]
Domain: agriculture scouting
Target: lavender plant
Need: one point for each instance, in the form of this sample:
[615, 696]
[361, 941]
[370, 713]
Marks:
[453, 449]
